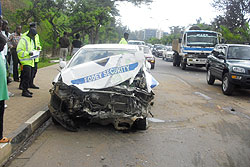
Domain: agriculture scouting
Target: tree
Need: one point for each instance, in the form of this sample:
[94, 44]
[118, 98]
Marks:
[94, 19]
[135, 2]
[234, 13]
[87, 18]
[234, 21]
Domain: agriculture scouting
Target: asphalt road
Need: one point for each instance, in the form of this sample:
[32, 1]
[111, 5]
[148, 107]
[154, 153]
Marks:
[195, 125]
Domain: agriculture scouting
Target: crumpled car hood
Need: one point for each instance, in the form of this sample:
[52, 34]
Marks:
[103, 73]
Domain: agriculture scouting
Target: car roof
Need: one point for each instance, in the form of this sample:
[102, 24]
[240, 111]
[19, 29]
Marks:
[110, 46]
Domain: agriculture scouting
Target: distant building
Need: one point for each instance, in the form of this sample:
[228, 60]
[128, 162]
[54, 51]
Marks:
[165, 33]
[159, 34]
[150, 33]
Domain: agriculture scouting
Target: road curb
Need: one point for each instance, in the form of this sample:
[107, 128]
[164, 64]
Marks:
[21, 134]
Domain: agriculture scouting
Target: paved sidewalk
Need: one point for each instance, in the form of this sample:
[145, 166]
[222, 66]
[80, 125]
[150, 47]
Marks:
[20, 109]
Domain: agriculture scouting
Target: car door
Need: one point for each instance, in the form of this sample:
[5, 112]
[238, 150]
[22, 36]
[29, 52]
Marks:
[219, 63]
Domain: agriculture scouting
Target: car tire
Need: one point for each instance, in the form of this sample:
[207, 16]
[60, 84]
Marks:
[175, 60]
[152, 66]
[55, 121]
[174, 63]
[227, 87]
[210, 77]
[178, 63]
[183, 65]
[141, 124]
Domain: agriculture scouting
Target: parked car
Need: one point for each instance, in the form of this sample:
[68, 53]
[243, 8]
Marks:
[148, 55]
[168, 55]
[229, 63]
[103, 83]
[136, 42]
[159, 50]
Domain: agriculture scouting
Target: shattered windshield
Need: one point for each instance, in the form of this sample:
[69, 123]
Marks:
[87, 55]
[239, 52]
[206, 39]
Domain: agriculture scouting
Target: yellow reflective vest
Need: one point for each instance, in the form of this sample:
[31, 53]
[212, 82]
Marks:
[123, 41]
[24, 47]
[38, 45]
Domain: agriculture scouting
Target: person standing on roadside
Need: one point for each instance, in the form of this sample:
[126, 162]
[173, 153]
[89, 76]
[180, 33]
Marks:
[64, 45]
[3, 88]
[13, 41]
[34, 69]
[4, 52]
[124, 40]
[76, 44]
[26, 53]
[38, 47]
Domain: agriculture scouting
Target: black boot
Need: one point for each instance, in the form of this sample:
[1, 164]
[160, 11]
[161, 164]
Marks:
[25, 93]
[30, 92]
[34, 86]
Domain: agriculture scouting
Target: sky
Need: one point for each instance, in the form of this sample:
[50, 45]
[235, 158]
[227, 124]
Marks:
[162, 14]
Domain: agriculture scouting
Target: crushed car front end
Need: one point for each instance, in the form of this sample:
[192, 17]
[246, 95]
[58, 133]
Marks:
[124, 105]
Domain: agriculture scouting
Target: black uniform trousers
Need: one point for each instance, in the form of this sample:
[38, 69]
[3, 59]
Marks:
[26, 77]
[33, 74]
[1, 118]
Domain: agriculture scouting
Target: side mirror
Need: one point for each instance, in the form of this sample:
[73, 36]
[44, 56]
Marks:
[215, 53]
[62, 64]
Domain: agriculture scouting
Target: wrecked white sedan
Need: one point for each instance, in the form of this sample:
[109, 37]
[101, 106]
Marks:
[104, 83]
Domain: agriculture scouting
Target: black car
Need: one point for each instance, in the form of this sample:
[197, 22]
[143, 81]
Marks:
[158, 50]
[229, 63]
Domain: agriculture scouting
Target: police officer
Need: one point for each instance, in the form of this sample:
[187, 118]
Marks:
[125, 39]
[25, 52]
[34, 69]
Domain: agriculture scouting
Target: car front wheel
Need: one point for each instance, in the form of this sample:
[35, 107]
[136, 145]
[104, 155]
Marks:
[183, 65]
[141, 124]
[152, 66]
[210, 77]
[227, 86]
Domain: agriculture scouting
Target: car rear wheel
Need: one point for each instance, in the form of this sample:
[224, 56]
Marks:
[227, 86]
[210, 77]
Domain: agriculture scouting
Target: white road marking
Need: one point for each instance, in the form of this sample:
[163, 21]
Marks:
[155, 120]
[203, 95]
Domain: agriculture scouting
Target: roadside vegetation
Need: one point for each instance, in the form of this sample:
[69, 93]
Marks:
[96, 21]
[93, 19]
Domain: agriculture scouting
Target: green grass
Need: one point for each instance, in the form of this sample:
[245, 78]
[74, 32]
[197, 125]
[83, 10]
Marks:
[45, 62]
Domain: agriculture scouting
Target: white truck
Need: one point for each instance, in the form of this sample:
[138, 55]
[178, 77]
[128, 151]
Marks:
[194, 47]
